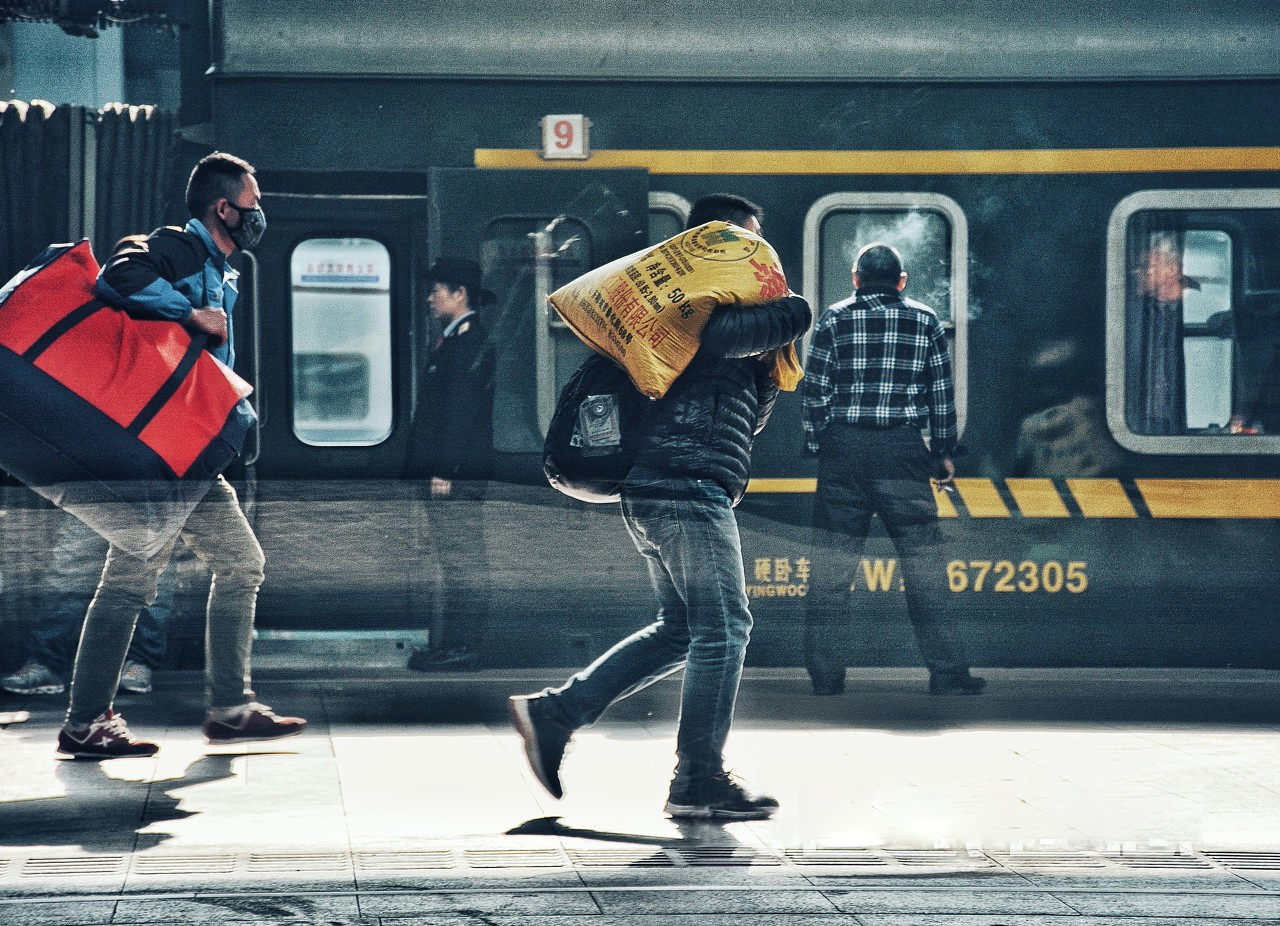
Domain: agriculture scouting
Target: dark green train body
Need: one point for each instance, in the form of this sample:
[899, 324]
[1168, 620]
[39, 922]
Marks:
[1029, 164]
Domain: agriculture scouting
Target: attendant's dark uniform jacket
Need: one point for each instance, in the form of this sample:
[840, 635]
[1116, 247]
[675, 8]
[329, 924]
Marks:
[452, 435]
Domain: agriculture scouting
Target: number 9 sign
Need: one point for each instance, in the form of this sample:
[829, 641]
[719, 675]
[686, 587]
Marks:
[565, 136]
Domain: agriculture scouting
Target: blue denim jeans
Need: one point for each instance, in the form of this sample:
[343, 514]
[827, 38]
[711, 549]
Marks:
[66, 590]
[686, 531]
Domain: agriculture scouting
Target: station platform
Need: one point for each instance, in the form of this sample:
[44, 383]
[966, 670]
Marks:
[1083, 797]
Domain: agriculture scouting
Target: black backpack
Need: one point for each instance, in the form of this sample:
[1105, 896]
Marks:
[591, 442]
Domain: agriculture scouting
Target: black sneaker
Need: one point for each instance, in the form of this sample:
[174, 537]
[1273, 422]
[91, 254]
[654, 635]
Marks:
[545, 739]
[454, 660]
[718, 798]
[956, 683]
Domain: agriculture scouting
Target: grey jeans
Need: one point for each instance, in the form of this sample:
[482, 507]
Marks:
[218, 533]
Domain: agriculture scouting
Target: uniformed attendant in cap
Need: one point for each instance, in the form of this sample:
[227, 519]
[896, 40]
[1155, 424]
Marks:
[451, 452]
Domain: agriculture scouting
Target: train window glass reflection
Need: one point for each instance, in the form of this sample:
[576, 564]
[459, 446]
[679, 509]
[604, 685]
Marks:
[668, 213]
[341, 322]
[929, 230]
[524, 258]
[1199, 340]
[923, 236]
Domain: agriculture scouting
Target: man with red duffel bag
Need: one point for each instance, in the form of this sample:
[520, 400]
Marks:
[183, 276]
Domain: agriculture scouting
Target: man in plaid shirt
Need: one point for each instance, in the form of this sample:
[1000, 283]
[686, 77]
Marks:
[878, 372]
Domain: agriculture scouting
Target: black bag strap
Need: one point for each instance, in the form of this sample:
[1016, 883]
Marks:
[166, 391]
[61, 327]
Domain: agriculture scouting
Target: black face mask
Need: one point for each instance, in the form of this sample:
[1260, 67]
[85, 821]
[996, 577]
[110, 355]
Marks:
[253, 223]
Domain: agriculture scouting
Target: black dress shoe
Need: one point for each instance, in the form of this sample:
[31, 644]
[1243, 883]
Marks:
[956, 683]
[827, 687]
[423, 658]
[454, 660]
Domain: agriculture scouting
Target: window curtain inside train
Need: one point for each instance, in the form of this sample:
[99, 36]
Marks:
[45, 196]
[138, 187]
[1155, 374]
[35, 178]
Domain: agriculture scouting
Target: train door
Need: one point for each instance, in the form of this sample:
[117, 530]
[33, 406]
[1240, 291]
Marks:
[532, 232]
[335, 282]
[555, 572]
[331, 294]
[342, 332]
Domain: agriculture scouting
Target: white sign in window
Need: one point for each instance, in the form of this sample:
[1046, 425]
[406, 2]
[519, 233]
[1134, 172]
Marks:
[341, 341]
[565, 137]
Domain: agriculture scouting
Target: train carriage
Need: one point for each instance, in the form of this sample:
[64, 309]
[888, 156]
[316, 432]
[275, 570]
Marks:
[1088, 194]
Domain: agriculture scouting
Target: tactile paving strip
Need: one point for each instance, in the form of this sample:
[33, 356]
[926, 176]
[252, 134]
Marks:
[247, 864]
[79, 866]
[1247, 861]
[429, 860]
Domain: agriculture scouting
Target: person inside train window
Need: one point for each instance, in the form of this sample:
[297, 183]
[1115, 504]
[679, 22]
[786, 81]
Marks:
[1155, 365]
[451, 451]
[878, 371]
[1257, 330]
[691, 469]
[182, 275]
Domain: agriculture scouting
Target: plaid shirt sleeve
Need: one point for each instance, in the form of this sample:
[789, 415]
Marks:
[818, 385]
[942, 403]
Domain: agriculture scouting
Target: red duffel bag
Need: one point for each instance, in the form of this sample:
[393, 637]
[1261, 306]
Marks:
[122, 422]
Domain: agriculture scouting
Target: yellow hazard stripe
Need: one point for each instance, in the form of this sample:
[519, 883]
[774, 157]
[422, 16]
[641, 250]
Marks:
[1211, 498]
[1101, 498]
[1052, 161]
[1095, 498]
[982, 498]
[1037, 498]
[783, 485]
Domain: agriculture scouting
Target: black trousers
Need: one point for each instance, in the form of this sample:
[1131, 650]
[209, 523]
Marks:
[454, 592]
[864, 472]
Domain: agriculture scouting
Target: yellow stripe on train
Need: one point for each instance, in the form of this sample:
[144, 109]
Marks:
[1095, 498]
[937, 163]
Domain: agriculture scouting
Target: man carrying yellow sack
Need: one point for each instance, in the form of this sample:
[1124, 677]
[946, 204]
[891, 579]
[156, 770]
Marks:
[691, 469]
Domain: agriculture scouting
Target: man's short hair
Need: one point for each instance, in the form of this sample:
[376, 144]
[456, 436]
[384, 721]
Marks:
[878, 264]
[723, 207]
[217, 176]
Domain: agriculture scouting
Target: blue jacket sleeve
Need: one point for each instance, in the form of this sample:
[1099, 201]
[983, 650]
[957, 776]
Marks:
[140, 278]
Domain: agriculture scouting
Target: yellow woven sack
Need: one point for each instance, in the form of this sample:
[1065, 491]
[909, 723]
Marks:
[647, 310]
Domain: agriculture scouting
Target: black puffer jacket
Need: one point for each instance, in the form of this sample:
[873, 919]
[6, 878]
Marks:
[704, 426]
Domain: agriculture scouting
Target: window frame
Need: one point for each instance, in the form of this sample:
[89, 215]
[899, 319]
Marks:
[1116, 323]
[664, 201]
[391, 334]
[906, 201]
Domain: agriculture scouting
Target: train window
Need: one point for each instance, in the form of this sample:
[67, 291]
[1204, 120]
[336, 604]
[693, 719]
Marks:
[668, 213]
[931, 232]
[525, 257]
[1193, 321]
[341, 290]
